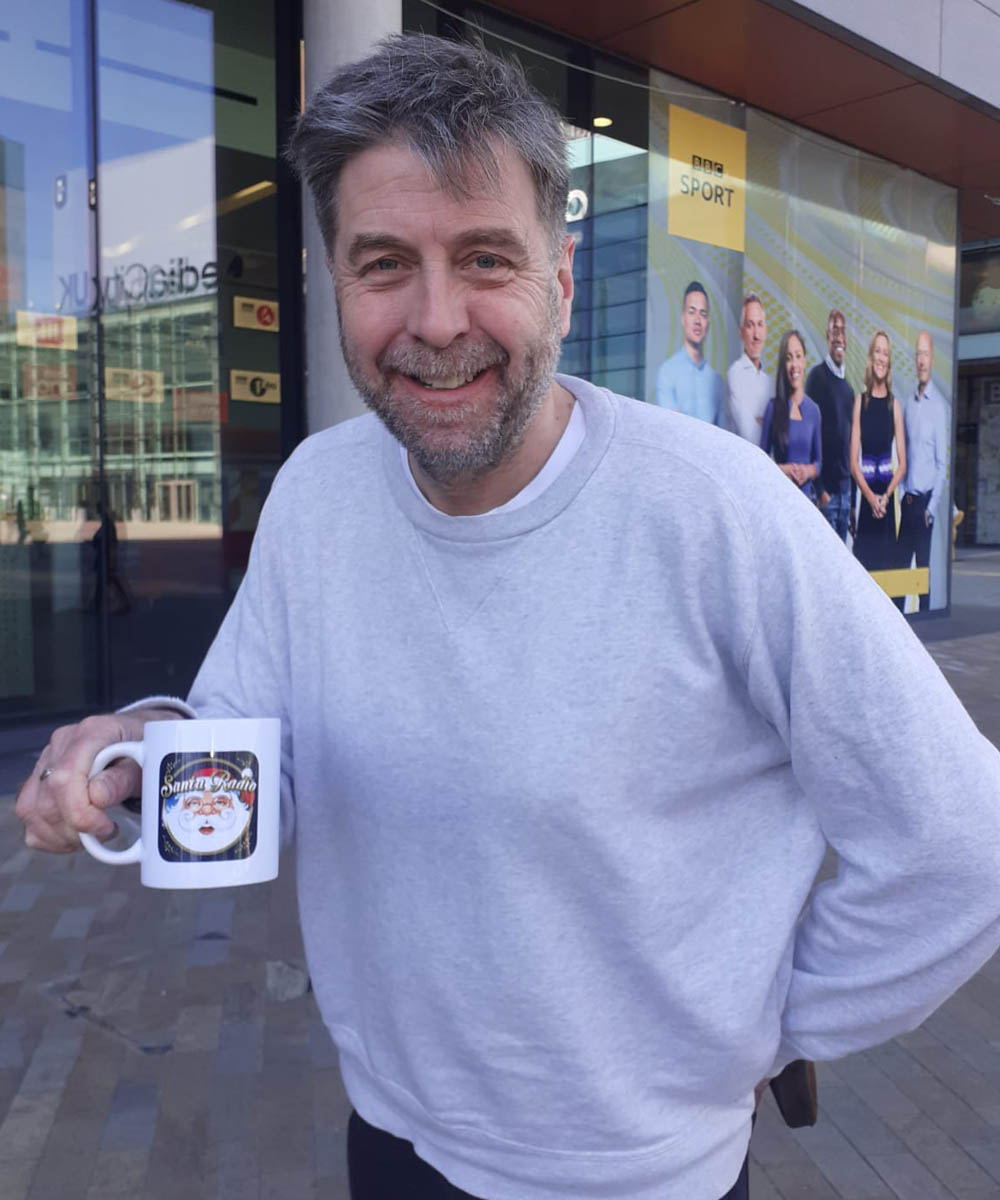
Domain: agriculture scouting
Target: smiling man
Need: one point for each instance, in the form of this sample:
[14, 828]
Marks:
[748, 386]
[685, 382]
[561, 752]
[828, 387]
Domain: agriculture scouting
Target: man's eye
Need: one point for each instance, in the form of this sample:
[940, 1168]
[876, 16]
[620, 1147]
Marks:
[486, 262]
[386, 264]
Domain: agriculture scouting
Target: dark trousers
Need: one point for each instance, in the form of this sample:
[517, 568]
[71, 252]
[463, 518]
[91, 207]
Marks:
[383, 1167]
[915, 538]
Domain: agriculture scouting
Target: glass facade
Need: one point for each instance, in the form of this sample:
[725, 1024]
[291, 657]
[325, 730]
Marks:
[977, 437]
[151, 294]
[140, 382]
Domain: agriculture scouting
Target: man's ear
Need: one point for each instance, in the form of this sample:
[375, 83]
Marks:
[564, 277]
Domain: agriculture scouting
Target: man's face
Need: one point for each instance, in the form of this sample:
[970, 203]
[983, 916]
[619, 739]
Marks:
[452, 310]
[753, 331]
[694, 319]
[836, 339]
[925, 359]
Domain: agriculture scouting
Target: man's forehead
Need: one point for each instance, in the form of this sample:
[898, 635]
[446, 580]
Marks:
[391, 181]
[697, 300]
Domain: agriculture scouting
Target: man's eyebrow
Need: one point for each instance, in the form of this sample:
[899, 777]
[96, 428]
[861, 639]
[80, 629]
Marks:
[363, 243]
[497, 236]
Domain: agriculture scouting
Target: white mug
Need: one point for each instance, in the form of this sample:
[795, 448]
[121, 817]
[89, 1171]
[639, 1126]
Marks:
[211, 802]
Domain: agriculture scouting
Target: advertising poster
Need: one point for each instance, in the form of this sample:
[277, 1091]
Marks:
[697, 194]
[855, 256]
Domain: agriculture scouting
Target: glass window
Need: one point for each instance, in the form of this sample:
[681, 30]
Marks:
[140, 384]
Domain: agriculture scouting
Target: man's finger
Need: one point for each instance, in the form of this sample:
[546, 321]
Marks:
[118, 781]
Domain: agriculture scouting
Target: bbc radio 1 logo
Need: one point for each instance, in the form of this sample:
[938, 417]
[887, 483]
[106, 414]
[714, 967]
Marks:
[259, 387]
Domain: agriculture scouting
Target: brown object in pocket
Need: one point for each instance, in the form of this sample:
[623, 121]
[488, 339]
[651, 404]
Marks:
[795, 1093]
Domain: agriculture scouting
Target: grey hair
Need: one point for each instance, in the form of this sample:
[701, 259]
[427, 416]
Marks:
[451, 103]
[748, 299]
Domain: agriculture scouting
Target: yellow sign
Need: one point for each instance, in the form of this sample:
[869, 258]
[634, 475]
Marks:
[904, 581]
[707, 196]
[259, 386]
[44, 331]
[129, 386]
[250, 313]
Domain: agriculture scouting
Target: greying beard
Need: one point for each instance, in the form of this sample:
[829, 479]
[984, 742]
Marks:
[518, 398]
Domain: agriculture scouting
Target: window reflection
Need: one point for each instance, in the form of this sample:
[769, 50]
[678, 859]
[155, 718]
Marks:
[118, 429]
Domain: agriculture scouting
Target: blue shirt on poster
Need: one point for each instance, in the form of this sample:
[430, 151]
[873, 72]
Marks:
[689, 387]
[804, 440]
[927, 427]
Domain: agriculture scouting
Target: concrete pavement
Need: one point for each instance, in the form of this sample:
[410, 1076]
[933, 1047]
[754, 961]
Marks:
[165, 1045]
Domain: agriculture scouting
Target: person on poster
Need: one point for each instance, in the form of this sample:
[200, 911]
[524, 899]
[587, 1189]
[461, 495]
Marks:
[748, 385]
[685, 382]
[570, 690]
[827, 385]
[926, 421]
[877, 427]
[791, 426]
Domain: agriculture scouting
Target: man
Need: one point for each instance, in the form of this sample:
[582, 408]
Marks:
[685, 382]
[748, 385]
[560, 749]
[827, 386]
[926, 419]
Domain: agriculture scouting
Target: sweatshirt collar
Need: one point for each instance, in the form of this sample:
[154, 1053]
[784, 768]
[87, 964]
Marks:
[599, 419]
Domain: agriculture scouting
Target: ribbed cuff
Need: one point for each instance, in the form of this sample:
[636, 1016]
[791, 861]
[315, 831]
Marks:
[172, 702]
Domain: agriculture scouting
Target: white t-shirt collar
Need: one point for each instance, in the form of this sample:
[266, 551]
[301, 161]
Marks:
[565, 448]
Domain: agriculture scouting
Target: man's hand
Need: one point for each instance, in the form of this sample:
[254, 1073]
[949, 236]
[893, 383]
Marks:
[56, 802]
[928, 519]
[824, 499]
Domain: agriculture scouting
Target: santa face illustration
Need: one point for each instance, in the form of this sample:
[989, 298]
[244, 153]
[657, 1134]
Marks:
[207, 820]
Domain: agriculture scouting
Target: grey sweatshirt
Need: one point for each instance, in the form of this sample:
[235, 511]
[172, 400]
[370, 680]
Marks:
[561, 779]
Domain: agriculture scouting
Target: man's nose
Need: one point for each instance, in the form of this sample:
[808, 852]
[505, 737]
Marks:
[438, 312]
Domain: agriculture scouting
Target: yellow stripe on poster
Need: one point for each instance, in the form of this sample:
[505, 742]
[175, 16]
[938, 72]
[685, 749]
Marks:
[909, 581]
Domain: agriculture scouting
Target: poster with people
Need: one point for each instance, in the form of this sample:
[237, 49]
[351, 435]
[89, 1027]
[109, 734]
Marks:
[694, 285]
[830, 329]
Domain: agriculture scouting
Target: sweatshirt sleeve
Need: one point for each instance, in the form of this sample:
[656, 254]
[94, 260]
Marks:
[904, 787]
[245, 672]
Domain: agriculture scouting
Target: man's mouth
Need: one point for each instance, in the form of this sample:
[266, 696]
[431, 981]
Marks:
[446, 383]
[206, 829]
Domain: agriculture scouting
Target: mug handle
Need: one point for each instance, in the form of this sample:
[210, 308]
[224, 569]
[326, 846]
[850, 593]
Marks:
[133, 854]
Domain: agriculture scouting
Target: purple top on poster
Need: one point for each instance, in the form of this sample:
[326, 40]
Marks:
[804, 442]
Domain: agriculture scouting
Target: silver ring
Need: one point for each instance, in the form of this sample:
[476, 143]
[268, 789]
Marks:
[44, 775]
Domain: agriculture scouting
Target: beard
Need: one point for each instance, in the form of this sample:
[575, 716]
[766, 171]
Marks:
[462, 440]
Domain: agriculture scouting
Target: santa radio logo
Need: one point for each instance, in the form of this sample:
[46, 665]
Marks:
[208, 806]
